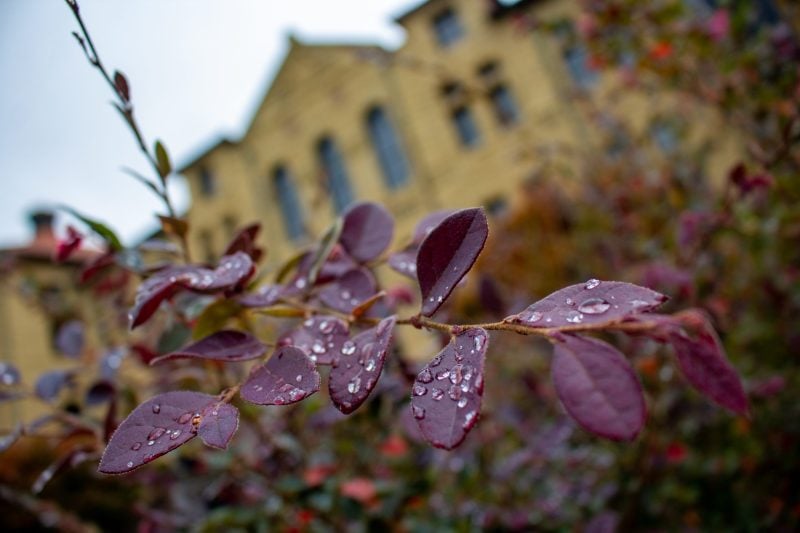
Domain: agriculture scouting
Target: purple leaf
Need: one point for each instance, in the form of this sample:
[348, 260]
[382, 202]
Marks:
[100, 392]
[232, 272]
[122, 87]
[347, 292]
[598, 387]
[265, 296]
[320, 337]
[446, 396]
[245, 241]
[356, 371]
[162, 424]
[447, 254]
[218, 424]
[288, 377]
[405, 261]
[428, 223]
[702, 361]
[50, 384]
[70, 338]
[153, 291]
[226, 345]
[367, 231]
[593, 302]
[9, 375]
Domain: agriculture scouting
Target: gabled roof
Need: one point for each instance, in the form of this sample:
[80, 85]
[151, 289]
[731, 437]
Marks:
[299, 49]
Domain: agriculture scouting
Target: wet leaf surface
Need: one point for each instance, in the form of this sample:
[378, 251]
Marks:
[446, 396]
[232, 272]
[358, 366]
[320, 337]
[160, 425]
[265, 296]
[225, 345]
[288, 377]
[592, 302]
[405, 261]
[702, 361]
[447, 254]
[598, 387]
[349, 291]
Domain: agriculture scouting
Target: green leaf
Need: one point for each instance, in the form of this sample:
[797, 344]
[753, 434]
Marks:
[324, 249]
[214, 317]
[99, 228]
[162, 158]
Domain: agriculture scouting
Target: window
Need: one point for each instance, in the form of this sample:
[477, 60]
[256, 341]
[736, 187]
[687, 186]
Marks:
[289, 203]
[447, 28]
[465, 126]
[208, 185]
[578, 65]
[336, 174]
[505, 108]
[387, 146]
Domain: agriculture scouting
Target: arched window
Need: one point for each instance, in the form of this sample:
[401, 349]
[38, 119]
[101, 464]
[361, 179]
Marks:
[289, 203]
[338, 182]
[387, 146]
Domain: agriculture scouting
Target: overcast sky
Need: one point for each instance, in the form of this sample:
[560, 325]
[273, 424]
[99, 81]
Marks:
[197, 70]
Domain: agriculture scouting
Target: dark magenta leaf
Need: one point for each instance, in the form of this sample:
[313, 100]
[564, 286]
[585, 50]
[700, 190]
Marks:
[593, 302]
[121, 84]
[232, 272]
[598, 387]
[702, 361]
[288, 377]
[65, 247]
[100, 392]
[367, 231]
[70, 338]
[405, 261]
[156, 427]
[245, 241]
[226, 345]
[50, 384]
[446, 396]
[154, 290]
[265, 296]
[349, 291]
[320, 337]
[357, 369]
[447, 254]
[428, 223]
[9, 375]
[218, 423]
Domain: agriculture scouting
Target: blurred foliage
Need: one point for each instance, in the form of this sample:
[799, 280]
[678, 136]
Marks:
[729, 248]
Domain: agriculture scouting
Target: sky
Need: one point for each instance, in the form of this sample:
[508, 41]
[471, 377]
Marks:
[197, 69]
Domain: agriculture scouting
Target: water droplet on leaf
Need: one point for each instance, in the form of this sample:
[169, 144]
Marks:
[591, 284]
[594, 306]
[418, 412]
